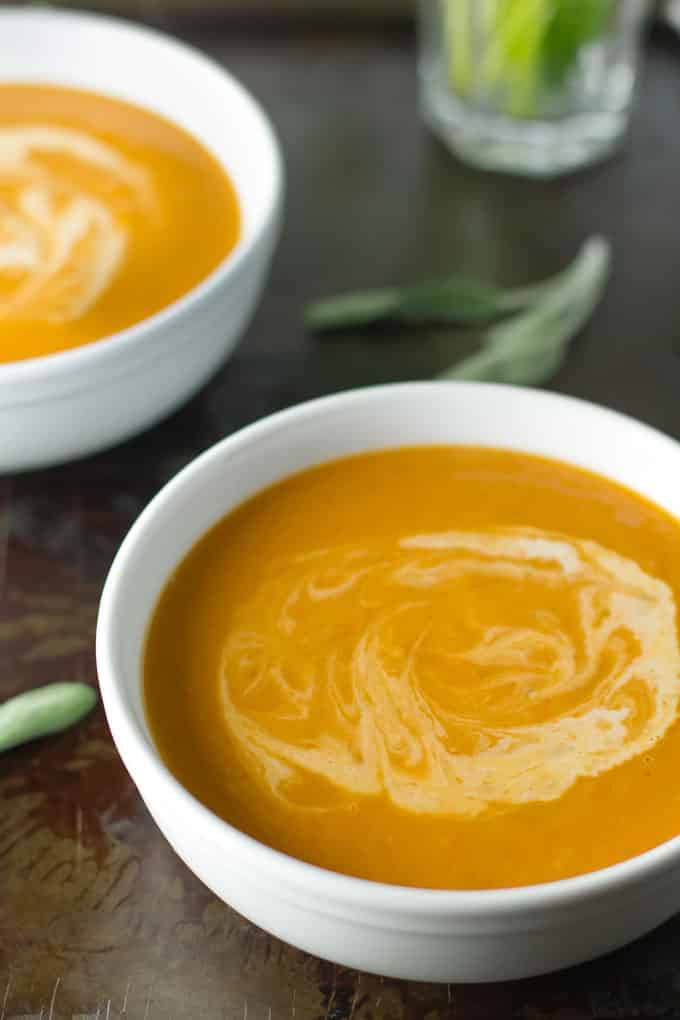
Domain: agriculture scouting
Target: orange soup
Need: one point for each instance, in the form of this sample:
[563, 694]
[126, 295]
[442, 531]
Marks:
[449, 667]
[108, 213]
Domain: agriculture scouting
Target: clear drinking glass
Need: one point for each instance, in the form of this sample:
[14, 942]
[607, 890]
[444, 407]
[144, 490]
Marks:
[536, 87]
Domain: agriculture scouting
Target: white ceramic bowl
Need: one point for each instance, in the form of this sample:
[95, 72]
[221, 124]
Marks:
[403, 932]
[72, 403]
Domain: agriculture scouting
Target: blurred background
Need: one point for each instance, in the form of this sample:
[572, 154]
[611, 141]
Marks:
[269, 9]
[283, 10]
[394, 10]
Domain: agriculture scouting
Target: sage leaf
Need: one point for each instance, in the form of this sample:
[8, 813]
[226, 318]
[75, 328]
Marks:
[530, 347]
[455, 299]
[42, 711]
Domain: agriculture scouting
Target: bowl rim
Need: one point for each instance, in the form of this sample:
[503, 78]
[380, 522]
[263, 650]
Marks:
[61, 363]
[299, 874]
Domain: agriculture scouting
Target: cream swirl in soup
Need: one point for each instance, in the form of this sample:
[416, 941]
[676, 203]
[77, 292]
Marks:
[452, 671]
[62, 242]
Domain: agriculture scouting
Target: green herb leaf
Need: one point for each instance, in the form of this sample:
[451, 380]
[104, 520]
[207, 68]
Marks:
[42, 711]
[509, 54]
[530, 347]
[527, 347]
[458, 299]
[512, 66]
[573, 24]
[458, 36]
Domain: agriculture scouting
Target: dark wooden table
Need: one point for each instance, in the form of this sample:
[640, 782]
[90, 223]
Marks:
[98, 918]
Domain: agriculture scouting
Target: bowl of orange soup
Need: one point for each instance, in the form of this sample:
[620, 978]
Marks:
[397, 673]
[140, 188]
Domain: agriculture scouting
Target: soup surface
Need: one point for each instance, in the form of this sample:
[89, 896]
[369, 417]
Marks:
[108, 213]
[448, 667]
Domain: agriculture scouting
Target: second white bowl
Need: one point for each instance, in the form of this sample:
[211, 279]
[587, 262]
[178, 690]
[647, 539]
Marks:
[72, 403]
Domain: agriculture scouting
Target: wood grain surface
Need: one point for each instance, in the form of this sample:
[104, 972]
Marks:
[98, 918]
